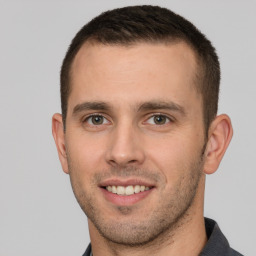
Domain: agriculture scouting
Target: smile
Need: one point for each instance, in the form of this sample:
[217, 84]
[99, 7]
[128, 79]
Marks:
[127, 190]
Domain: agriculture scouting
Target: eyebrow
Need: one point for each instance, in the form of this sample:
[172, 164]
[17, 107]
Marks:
[146, 106]
[165, 105]
[97, 105]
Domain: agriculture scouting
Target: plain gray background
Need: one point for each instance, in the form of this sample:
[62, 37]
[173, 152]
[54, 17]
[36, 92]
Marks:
[39, 215]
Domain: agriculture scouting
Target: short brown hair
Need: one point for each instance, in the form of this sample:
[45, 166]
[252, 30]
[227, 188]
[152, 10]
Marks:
[129, 25]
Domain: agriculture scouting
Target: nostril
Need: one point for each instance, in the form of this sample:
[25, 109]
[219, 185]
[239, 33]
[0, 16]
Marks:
[122, 162]
[123, 155]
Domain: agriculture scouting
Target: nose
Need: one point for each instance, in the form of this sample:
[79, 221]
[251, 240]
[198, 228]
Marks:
[125, 147]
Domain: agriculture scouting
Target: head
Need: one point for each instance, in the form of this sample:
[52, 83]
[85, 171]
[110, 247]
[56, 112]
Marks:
[151, 24]
[139, 90]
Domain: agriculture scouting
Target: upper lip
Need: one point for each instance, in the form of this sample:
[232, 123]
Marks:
[125, 183]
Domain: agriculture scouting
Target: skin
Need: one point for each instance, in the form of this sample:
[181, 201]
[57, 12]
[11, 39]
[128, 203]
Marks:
[127, 88]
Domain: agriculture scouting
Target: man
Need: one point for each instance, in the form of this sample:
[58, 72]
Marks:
[139, 132]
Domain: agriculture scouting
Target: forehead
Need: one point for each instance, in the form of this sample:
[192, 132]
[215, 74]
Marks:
[137, 72]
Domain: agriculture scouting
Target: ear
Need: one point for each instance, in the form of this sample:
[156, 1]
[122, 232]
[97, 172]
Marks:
[59, 137]
[219, 137]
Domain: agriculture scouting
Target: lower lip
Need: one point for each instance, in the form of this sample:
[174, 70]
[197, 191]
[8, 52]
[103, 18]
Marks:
[125, 200]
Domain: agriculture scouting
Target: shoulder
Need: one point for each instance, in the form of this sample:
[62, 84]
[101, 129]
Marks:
[217, 244]
[88, 251]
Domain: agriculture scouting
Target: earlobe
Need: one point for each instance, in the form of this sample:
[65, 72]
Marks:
[59, 137]
[219, 137]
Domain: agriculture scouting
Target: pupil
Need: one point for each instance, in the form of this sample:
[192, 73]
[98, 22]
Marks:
[160, 119]
[97, 120]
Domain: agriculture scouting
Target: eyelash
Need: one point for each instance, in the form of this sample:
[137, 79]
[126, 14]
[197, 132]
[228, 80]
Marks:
[93, 115]
[166, 118]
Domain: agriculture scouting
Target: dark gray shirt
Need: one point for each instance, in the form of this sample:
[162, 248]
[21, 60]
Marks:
[217, 244]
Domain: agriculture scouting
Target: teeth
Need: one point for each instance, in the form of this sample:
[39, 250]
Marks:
[120, 190]
[126, 191]
[113, 189]
[129, 190]
[137, 189]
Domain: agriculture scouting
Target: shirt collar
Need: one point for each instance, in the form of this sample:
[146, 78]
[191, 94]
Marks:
[217, 243]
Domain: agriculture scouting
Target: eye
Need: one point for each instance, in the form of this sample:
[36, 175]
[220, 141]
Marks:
[96, 120]
[158, 120]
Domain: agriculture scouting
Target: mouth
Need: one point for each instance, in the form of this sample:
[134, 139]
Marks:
[127, 190]
[126, 193]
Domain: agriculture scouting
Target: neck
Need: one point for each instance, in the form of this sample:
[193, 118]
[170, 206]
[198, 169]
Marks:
[187, 237]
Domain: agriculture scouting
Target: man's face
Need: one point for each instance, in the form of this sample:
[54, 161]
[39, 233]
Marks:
[134, 138]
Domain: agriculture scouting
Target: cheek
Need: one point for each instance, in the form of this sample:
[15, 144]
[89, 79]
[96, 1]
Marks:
[173, 155]
[85, 153]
